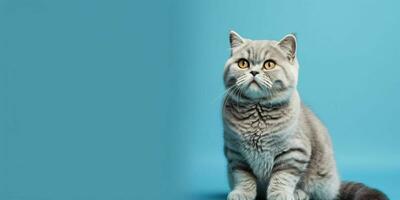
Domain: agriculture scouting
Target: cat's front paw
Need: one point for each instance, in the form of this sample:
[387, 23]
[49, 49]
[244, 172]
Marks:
[300, 195]
[280, 196]
[240, 195]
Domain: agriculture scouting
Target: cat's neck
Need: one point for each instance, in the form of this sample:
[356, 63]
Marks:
[262, 118]
[292, 101]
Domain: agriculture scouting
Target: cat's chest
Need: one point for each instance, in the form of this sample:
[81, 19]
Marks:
[260, 151]
[255, 121]
[261, 163]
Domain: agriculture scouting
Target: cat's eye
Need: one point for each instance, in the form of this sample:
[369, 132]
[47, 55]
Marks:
[243, 63]
[269, 64]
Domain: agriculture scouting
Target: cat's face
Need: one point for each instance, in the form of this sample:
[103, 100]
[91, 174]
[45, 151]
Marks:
[261, 69]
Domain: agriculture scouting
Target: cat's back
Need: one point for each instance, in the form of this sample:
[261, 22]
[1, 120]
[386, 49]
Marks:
[313, 127]
[322, 161]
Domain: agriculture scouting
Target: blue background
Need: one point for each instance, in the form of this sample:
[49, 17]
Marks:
[121, 99]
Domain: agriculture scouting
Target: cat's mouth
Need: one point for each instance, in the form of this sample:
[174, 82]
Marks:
[255, 83]
[254, 89]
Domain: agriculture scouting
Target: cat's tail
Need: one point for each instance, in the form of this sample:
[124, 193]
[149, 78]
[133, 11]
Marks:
[359, 191]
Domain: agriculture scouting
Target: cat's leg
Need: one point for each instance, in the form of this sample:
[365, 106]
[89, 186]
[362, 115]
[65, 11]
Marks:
[242, 181]
[324, 186]
[289, 167]
[282, 186]
[299, 194]
[243, 184]
[285, 177]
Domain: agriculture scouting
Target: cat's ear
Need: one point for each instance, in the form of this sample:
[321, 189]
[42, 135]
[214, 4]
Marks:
[235, 39]
[289, 45]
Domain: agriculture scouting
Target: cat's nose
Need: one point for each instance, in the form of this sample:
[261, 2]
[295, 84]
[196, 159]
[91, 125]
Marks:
[254, 73]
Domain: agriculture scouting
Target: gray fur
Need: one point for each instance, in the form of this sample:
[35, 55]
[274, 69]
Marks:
[275, 146]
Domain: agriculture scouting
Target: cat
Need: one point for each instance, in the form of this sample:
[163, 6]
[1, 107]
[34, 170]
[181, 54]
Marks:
[275, 146]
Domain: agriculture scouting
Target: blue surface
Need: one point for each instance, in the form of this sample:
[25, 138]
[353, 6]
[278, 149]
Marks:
[121, 99]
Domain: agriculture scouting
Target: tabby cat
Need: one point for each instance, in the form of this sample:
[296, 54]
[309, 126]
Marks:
[275, 146]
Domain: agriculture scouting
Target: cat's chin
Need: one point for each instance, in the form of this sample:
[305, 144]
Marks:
[257, 96]
[254, 91]
[263, 97]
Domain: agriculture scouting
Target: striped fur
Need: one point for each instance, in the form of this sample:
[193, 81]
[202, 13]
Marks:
[275, 146]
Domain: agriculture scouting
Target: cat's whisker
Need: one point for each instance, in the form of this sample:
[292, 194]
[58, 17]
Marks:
[267, 82]
[235, 93]
[238, 96]
[222, 94]
[240, 83]
[240, 80]
[240, 93]
[268, 86]
[229, 92]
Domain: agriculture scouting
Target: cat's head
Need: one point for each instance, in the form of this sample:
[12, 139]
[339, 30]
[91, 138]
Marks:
[261, 70]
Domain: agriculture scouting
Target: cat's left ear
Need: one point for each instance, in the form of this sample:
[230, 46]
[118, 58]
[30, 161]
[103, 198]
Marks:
[235, 39]
[289, 45]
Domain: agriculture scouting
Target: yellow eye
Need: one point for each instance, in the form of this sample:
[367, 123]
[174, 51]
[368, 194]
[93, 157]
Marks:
[243, 63]
[269, 64]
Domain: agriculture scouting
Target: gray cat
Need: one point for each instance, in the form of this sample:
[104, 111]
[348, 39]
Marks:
[275, 146]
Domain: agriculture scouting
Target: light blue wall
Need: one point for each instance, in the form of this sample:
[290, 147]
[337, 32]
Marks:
[85, 94]
[121, 99]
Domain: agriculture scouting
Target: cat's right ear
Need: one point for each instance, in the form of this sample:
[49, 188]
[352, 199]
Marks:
[235, 39]
[289, 44]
